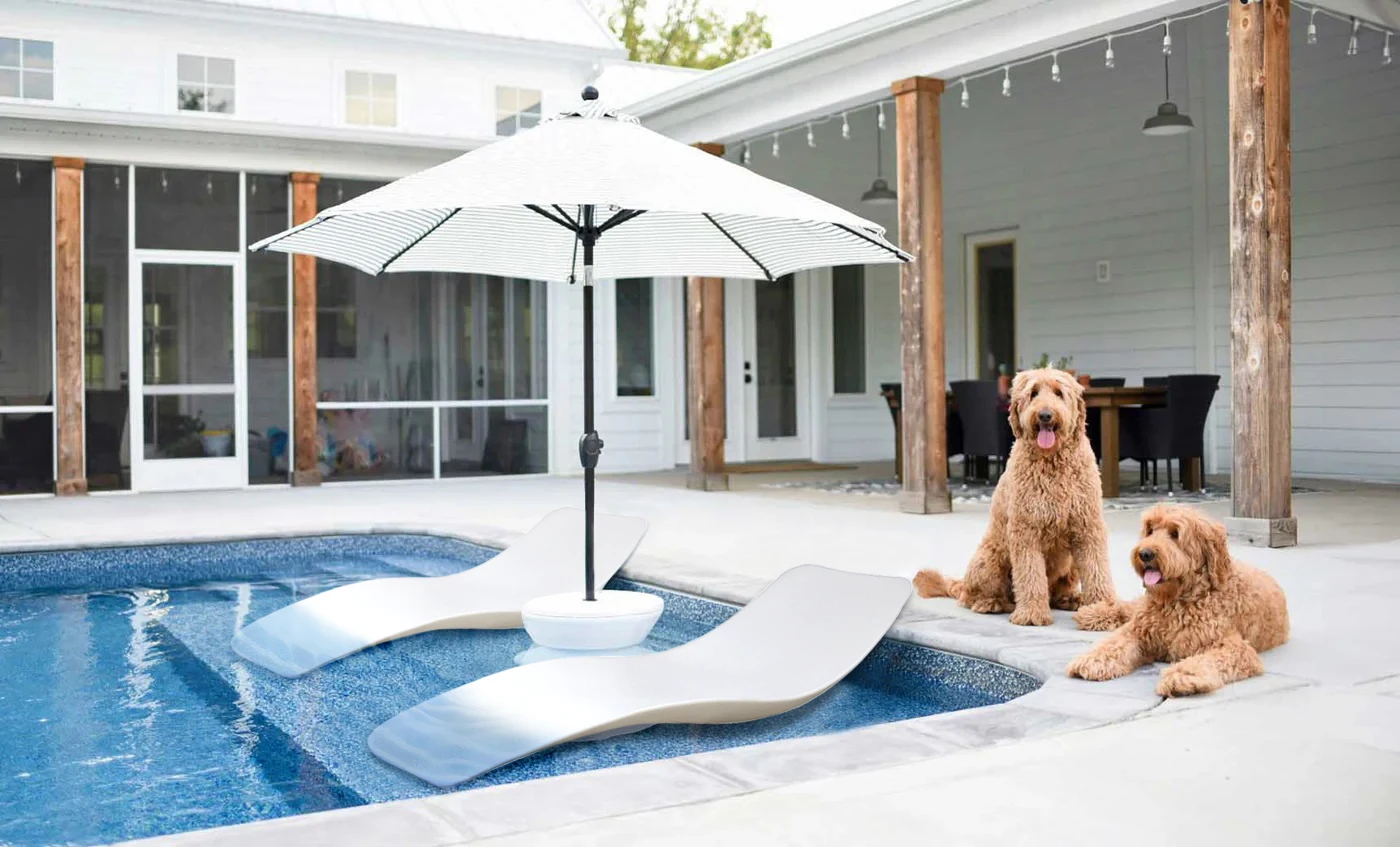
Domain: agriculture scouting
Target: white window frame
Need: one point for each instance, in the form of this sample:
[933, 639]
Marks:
[23, 36]
[658, 318]
[205, 56]
[370, 100]
[515, 115]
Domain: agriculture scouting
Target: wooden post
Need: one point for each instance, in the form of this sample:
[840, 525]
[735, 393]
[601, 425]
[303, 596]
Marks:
[68, 325]
[304, 339]
[704, 370]
[925, 403]
[1261, 275]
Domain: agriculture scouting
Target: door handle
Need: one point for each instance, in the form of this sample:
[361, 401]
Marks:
[748, 378]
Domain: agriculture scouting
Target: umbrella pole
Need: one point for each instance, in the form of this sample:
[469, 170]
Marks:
[590, 446]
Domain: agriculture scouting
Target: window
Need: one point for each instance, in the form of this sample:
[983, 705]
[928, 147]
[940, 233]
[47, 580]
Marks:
[205, 84]
[848, 329]
[636, 376]
[516, 109]
[371, 99]
[26, 68]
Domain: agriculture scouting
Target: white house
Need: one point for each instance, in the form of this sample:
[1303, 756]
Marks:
[188, 125]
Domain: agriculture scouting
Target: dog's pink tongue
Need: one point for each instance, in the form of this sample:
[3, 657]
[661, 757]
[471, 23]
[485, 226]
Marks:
[1151, 577]
[1045, 438]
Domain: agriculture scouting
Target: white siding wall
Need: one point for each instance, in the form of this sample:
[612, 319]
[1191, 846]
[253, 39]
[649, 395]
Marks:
[1346, 256]
[123, 61]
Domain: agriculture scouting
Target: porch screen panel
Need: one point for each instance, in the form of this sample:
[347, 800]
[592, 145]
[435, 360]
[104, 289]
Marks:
[26, 326]
[269, 373]
[106, 264]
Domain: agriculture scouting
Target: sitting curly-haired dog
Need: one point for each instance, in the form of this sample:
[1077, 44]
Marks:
[1047, 535]
[1209, 615]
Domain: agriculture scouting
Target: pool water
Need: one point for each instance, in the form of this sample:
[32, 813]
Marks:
[125, 714]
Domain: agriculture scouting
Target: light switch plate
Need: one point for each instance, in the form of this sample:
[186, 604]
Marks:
[1104, 272]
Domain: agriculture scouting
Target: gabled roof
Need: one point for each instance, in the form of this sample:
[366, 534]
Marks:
[567, 22]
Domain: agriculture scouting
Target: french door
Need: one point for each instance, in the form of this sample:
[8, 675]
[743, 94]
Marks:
[187, 319]
[766, 342]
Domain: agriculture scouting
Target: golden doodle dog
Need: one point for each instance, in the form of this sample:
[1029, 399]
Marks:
[1209, 615]
[1046, 545]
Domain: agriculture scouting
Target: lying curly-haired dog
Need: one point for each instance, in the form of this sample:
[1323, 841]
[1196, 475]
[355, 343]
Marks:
[1208, 614]
[1047, 534]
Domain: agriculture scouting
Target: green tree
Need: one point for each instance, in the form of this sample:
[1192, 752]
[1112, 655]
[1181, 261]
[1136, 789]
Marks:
[691, 36]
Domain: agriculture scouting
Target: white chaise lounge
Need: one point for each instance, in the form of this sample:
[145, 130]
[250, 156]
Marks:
[331, 625]
[795, 640]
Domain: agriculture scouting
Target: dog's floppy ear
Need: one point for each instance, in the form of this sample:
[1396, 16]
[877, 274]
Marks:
[1018, 399]
[1215, 551]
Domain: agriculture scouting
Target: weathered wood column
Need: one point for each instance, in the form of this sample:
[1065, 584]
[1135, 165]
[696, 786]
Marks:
[925, 404]
[68, 325]
[704, 371]
[1261, 290]
[304, 339]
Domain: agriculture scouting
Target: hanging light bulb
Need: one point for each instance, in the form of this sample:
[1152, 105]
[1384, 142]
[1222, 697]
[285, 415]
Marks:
[1385, 50]
[1055, 66]
[845, 127]
[745, 157]
[1351, 42]
[164, 186]
[1108, 54]
[209, 185]
[811, 139]
[253, 187]
[966, 102]
[775, 145]
[339, 192]
[117, 179]
[19, 178]
[1006, 82]
[1167, 36]
[880, 116]
[1312, 26]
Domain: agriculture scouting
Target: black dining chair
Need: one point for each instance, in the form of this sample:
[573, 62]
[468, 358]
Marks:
[985, 429]
[1175, 431]
[1092, 427]
[1154, 381]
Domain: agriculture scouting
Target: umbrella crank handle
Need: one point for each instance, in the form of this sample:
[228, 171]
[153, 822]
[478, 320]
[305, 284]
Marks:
[590, 446]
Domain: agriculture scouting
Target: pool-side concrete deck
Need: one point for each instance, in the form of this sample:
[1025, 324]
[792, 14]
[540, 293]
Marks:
[1308, 754]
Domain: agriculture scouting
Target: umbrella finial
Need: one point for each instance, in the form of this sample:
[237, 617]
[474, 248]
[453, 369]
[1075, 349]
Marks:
[590, 93]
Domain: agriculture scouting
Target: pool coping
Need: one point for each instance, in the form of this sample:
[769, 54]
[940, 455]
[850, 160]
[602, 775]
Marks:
[1059, 705]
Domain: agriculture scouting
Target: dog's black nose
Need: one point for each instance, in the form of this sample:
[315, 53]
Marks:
[1146, 555]
[1046, 417]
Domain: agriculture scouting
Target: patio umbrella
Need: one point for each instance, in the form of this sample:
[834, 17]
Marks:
[588, 193]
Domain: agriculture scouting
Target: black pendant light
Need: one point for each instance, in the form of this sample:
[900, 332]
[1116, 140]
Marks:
[1169, 120]
[880, 193]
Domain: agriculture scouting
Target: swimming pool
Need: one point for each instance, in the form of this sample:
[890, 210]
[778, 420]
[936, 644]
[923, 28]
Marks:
[124, 713]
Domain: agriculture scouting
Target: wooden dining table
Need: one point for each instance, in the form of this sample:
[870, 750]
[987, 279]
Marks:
[1107, 401]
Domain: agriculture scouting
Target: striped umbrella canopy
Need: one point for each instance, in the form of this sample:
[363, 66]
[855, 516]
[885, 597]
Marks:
[589, 193]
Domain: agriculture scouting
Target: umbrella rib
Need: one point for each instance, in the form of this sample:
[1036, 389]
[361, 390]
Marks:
[766, 275]
[903, 257]
[415, 242]
[569, 225]
[621, 217]
[565, 215]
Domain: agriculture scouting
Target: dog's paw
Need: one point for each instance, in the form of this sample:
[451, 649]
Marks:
[1178, 681]
[1032, 617]
[1100, 617]
[1065, 602]
[989, 606]
[1093, 666]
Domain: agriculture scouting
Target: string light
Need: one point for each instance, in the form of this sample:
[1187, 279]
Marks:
[776, 151]
[209, 185]
[811, 139]
[1110, 61]
[163, 184]
[19, 177]
[117, 179]
[339, 192]
[746, 157]
[1351, 42]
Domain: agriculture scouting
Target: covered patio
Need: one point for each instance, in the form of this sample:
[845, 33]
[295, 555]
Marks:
[1259, 246]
